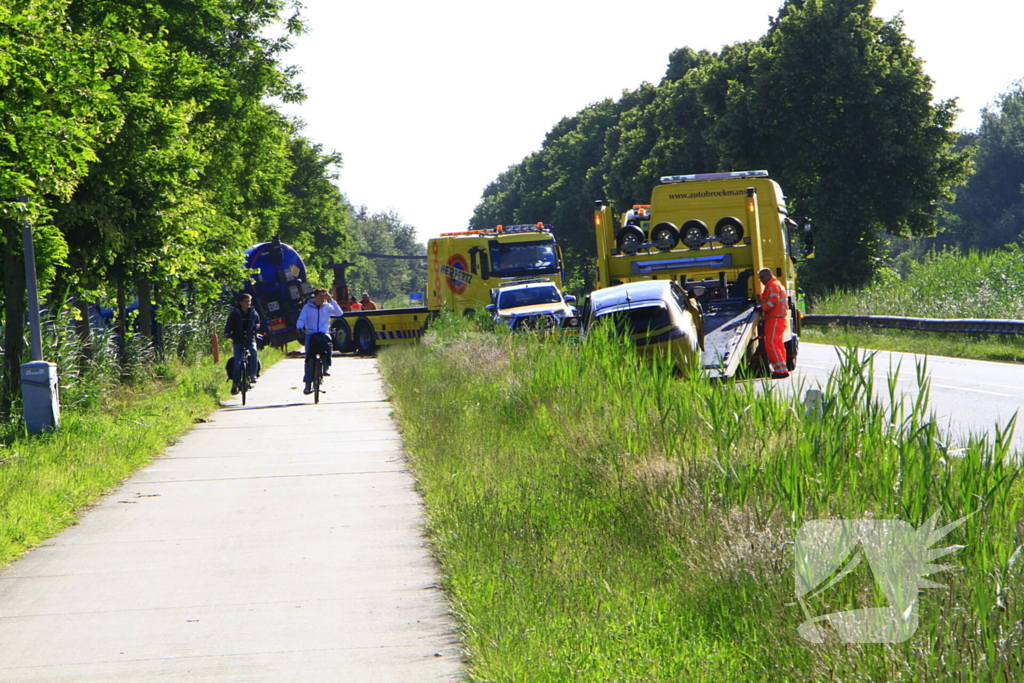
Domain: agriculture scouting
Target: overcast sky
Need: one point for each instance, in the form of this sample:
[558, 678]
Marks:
[429, 101]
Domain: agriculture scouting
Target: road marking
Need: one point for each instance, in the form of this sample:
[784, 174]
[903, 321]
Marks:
[977, 391]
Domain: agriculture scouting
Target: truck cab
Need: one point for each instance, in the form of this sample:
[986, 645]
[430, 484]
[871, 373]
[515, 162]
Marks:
[464, 266]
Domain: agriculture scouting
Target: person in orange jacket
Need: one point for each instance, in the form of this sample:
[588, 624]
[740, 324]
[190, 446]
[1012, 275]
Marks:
[367, 303]
[774, 307]
[354, 305]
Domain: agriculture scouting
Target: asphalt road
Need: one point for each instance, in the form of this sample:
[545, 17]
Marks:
[967, 396]
[279, 542]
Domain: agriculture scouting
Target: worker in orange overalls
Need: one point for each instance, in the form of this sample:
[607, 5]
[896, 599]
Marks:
[774, 308]
[367, 303]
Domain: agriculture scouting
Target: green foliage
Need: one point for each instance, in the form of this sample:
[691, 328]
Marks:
[384, 279]
[946, 284]
[600, 521]
[143, 136]
[316, 222]
[831, 100]
[989, 208]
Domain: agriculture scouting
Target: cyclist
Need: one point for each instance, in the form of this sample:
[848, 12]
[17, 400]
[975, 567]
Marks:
[315, 321]
[241, 327]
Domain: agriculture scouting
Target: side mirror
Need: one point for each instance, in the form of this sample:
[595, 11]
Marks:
[491, 307]
[570, 299]
[808, 239]
[697, 291]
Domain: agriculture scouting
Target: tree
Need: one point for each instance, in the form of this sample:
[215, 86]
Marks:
[831, 100]
[316, 222]
[384, 233]
[197, 172]
[989, 208]
[55, 108]
[838, 107]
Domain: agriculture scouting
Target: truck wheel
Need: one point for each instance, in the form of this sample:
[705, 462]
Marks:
[694, 233]
[792, 348]
[366, 338]
[665, 236]
[341, 335]
[729, 231]
[629, 239]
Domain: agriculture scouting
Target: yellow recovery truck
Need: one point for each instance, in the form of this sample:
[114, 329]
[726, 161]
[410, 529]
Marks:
[711, 233]
[462, 268]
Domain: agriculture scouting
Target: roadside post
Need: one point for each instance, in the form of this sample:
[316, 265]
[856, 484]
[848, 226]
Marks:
[39, 387]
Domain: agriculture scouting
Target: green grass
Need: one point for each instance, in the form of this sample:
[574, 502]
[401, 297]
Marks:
[598, 520]
[945, 284]
[46, 479]
[990, 347]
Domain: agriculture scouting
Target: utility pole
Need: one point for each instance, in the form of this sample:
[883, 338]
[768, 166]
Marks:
[39, 392]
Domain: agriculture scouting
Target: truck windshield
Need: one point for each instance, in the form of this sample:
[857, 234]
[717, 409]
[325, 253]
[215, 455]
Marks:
[523, 258]
[529, 297]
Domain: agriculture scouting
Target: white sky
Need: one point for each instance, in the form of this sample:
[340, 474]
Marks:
[429, 101]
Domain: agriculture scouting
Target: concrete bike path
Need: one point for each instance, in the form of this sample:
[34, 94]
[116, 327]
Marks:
[278, 542]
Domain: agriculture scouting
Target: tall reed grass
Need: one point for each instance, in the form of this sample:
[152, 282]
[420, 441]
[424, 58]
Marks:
[946, 284]
[598, 519]
[92, 369]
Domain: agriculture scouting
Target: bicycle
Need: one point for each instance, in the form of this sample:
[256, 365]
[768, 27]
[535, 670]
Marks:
[320, 363]
[246, 375]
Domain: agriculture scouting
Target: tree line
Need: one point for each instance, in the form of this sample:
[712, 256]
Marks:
[831, 100]
[141, 141]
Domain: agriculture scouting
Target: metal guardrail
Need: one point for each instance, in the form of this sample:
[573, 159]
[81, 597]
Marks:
[966, 325]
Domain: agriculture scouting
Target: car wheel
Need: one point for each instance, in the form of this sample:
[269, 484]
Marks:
[629, 239]
[694, 233]
[729, 231]
[665, 236]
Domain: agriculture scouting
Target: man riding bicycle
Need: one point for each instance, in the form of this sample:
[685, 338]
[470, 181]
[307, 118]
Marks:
[315, 321]
[241, 327]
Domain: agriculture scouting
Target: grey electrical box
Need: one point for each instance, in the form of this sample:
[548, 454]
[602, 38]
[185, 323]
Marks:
[39, 396]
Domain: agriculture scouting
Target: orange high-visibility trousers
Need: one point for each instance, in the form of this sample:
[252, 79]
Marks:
[773, 329]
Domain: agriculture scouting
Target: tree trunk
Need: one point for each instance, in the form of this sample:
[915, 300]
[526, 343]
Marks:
[121, 326]
[14, 314]
[83, 327]
[145, 312]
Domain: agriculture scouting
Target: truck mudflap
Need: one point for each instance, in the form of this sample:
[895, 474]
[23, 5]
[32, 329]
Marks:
[729, 328]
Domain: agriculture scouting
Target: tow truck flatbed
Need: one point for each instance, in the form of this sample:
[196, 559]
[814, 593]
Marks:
[729, 327]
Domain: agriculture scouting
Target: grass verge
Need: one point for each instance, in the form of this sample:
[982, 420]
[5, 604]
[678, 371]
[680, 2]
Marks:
[991, 347]
[45, 480]
[599, 520]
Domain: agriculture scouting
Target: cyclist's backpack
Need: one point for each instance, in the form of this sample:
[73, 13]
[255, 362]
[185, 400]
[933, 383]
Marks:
[230, 367]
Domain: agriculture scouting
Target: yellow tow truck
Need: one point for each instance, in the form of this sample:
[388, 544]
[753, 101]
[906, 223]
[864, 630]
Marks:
[711, 233]
[462, 269]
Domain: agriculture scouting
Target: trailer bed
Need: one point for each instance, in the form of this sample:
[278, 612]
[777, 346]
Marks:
[729, 327]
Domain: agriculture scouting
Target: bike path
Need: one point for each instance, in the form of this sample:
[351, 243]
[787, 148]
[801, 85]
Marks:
[280, 541]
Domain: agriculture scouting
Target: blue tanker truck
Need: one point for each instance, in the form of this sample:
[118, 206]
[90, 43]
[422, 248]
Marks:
[279, 289]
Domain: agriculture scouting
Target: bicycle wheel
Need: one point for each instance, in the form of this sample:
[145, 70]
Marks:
[244, 380]
[318, 376]
[246, 375]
